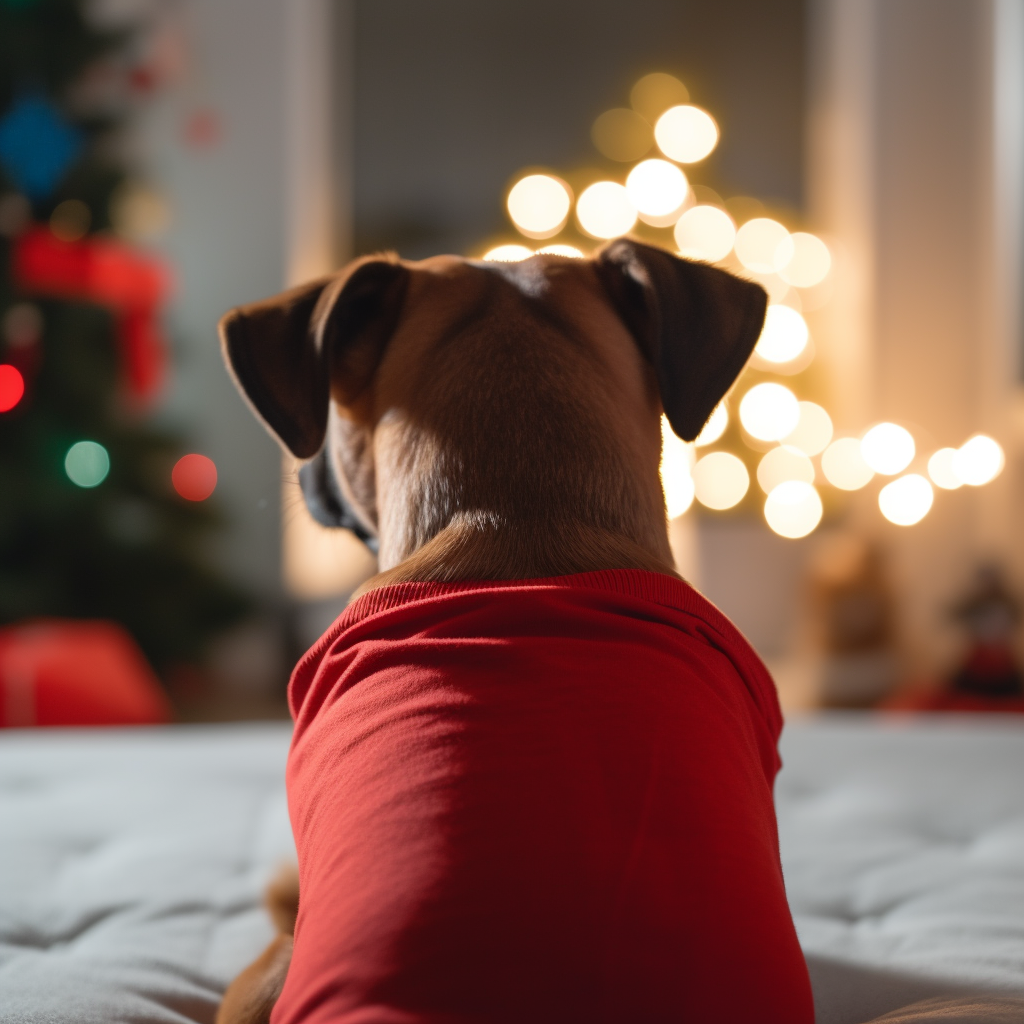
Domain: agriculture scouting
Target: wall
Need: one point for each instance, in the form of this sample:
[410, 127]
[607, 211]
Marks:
[909, 169]
[227, 245]
[454, 96]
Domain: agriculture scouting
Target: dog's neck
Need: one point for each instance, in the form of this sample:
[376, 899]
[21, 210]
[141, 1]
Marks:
[479, 548]
[439, 523]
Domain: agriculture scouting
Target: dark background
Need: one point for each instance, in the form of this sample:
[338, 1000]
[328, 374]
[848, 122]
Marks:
[453, 97]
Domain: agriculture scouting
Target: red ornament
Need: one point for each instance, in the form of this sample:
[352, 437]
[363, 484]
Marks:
[202, 129]
[129, 283]
[12, 387]
[142, 79]
[194, 477]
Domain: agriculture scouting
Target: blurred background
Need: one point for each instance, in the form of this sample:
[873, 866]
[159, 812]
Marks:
[854, 505]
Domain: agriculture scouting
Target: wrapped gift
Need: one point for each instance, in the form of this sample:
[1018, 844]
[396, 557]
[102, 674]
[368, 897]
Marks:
[60, 672]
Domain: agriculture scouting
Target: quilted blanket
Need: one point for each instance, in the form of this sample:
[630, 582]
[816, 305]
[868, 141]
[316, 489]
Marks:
[132, 862]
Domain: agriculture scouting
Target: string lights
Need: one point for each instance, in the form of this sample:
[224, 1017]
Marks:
[764, 427]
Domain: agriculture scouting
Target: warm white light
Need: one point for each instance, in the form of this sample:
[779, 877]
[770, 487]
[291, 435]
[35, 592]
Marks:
[539, 205]
[784, 335]
[705, 233]
[793, 509]
[940, 469]
[776, 288]
[622, 134]
[844, 466]
[887, 448]
[802, 260]
[676, 479]
[720, 480]
[978, 460]
[907, 500]
[605, 210]
[508, 254]
[655, 93]
[562, 250]
[757, 242]
[686, 133]
[769, 412]
[656, 187]
[715, 426]
[813, 430]
[781, 465]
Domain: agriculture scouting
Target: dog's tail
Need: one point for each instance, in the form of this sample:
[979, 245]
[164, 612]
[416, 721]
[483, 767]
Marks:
[250, 998]
[282, 899]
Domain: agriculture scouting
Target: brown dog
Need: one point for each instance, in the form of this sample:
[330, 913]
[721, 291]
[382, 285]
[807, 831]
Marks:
[489, 421]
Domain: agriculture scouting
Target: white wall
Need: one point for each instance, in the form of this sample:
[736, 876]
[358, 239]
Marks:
[908, 171]
[227, 245]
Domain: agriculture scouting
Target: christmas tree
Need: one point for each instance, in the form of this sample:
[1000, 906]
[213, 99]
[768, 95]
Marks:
[102, 514]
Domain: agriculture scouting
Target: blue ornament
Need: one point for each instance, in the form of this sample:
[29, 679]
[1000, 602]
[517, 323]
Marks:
[37, 146]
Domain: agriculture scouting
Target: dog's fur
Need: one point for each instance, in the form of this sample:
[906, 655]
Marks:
[491, 421]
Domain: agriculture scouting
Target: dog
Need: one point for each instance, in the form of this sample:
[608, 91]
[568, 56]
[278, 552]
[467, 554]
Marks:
[532, 769]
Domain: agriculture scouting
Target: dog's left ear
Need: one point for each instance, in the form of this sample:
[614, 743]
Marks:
[697, 325]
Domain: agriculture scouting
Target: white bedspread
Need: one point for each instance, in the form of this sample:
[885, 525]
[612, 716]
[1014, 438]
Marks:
[903, 847]
[132, 861]
[131, 865]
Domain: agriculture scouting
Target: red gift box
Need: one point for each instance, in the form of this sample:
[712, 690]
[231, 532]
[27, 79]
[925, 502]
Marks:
[56, 672]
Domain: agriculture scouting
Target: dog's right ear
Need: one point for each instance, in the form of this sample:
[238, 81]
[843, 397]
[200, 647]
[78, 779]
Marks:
[288, 354]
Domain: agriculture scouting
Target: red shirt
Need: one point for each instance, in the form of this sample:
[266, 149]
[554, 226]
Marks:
[538, 802]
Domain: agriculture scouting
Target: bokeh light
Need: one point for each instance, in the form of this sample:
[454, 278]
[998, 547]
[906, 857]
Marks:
[757, 242]
[940, 469]
[87, 464]
[15, 214]
[907, 500]
[676, 479]
[686, 134]
[562, 250]
[793, 509]
[539, 205]
[705, 233]
[138, 213]
[769, 411]
[784, 335]
[70, 220]
[720, 480]
[12, 387]
[508, 254]
[978, 460]
[655, 93]
[715, 426]
[802, 260]
[813, 430]
[783, 464]
[194, 477]
[622, 135]
[844, 466]
[888, 448]
[657, 188]
[605, 210]
[22, 325]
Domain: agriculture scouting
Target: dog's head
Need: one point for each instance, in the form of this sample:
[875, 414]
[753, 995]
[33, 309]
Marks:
[415, 391]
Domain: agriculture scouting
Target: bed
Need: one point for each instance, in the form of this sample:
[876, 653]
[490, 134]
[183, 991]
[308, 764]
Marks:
[132, 862]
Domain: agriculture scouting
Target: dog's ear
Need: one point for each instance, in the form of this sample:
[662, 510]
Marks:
[289, 354]
[697, 325]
